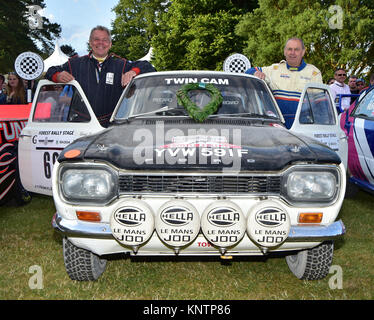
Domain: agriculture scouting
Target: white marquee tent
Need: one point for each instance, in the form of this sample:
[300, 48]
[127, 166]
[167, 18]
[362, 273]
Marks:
[148, 56]
[56, 58]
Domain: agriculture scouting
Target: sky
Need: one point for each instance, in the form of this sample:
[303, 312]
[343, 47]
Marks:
[77, 18]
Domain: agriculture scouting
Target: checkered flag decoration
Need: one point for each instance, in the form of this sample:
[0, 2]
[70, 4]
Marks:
[29, 65]
[236, 63]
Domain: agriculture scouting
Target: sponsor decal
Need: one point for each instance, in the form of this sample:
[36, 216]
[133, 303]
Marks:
[236, 63]
[53, 139]
[330, 139]
[268, 224]
[272, 217]
[10, 130]
[29, 65]
[199, 141]
[204, 244]
[132, 224]
[7, 169]
[223, 217]
[180, 81]
[130, 217]
[178, 223]
[223, 224]
[177, 216]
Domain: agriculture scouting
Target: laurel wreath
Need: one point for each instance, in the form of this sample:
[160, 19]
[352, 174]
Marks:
[199, 115]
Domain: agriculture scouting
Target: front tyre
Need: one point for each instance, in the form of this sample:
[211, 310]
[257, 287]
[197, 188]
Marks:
[81, 264]
[312, 264]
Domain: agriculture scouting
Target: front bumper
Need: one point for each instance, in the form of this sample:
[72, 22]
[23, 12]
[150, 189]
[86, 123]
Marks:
[299, 233]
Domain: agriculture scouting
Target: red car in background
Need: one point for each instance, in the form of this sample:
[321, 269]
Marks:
[13, 119]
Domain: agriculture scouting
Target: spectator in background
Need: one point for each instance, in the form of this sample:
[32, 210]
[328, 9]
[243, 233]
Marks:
[32, 84]
[371, 84]
[2, 82]
[360, 84]
[339, 87]
[330, 81]
[16, 93]
[2, 92]
[353, 87]
[371, 81]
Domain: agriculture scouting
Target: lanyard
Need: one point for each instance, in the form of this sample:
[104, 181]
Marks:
[98, 68]
[98, 71]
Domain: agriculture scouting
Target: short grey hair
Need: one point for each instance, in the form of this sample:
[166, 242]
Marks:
[298, 39]
[101, 28]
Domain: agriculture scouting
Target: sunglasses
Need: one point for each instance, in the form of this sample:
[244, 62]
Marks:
[341, 75]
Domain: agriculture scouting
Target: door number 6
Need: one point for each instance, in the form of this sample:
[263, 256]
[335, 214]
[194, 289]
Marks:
[48, 162]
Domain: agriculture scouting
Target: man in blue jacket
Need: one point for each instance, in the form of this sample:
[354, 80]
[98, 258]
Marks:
[102, 76]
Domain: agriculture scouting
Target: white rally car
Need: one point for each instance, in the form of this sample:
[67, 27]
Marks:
[194, 163]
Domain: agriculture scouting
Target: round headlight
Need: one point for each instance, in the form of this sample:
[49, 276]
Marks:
[311, 186]
[87, 184]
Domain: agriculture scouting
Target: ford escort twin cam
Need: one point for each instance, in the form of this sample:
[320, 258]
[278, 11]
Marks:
[195, 163]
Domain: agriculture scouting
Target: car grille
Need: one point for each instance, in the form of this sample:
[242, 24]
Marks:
[199, 184]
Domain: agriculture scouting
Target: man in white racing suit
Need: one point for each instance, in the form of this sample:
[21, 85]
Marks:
[287, 79]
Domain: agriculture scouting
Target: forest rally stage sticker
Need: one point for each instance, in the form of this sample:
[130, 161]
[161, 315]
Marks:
[52, 139]
[47, 145]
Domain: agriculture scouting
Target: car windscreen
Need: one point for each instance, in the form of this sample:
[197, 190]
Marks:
[365, 108]
[157, 95]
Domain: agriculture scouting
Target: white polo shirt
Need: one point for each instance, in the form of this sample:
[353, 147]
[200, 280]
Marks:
[338, 88]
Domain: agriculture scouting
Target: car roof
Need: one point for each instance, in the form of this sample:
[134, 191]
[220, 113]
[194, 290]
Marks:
[197, 72]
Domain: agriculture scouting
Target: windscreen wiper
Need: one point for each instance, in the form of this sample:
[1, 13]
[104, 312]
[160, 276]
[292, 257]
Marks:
[246, 114]
[163, 109]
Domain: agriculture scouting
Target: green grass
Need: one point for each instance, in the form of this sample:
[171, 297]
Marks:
[27, 239]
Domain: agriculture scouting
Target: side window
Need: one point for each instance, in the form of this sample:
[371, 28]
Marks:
[60, 103]
[365, 108]
[317, 108]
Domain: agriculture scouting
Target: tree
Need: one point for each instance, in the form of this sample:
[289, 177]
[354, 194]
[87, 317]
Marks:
[47, 33]
[336, 33]
[18, 34]
[14, 29]
[198, 34]
[135, 25]
[68, 50]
